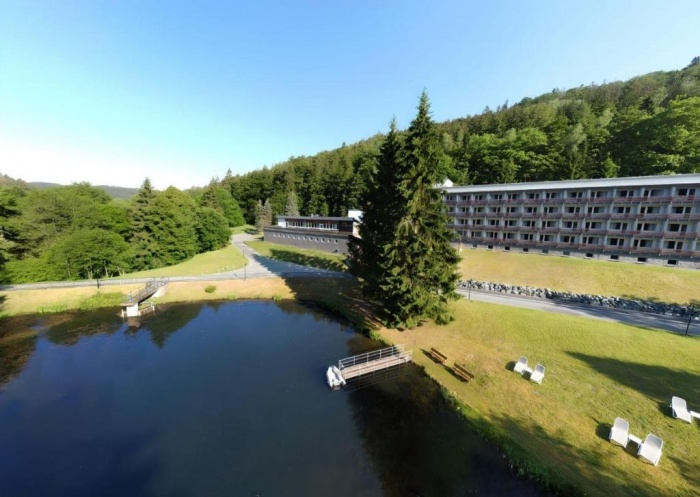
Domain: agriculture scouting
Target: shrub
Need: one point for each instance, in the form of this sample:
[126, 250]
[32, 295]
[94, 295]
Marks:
[210, 289]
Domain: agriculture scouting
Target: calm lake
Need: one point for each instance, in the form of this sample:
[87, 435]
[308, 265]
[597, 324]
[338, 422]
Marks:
[223, 399]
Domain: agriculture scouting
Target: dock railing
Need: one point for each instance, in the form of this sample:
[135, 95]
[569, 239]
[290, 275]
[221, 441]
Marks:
[371, 356]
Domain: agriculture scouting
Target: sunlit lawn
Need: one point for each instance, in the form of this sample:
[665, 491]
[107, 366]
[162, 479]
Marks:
[582, 276]
[246, 228]
[218, 261]
[304, 257]
[595, 371]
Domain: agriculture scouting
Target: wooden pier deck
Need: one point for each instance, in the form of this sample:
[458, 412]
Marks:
[376, 360]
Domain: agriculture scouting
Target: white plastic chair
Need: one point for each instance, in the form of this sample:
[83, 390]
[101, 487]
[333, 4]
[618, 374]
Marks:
[520, 365]
[620, 432]
[538, 374]
[650, 449]
[679, 408]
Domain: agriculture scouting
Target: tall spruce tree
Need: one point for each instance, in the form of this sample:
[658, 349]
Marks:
[416, 270]
[292, 206]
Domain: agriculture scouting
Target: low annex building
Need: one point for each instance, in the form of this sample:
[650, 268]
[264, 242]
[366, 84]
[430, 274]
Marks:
[651, 219]
[328, 234]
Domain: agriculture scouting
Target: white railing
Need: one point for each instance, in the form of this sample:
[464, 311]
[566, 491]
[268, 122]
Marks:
[371, 356]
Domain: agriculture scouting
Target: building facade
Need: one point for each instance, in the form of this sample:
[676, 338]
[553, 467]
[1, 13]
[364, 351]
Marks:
[652, 219]
[328, 234]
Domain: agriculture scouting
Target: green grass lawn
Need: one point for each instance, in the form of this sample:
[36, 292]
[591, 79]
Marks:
[305, 257]
[595, 371]
[217, 261]
[583, 276]
[246, 228]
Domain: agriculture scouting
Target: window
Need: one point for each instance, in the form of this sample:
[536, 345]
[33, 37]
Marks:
[589, 256]
[478, 197]
[533, 196]
[531, 210]
[571, 225]
[642, 243]
[682, 210]
[575, 194]
[622, 210]
[478, 210]
[513, 196]
[527, 236]
[625, 193]
[616, 242]
[491, 234]
[450, 198]
[551, 195]
[512, 222]
[494, 222]
[528, 224]
[618, 226]
[684, 192]
[465, 198]
[649, 209]
[551, 210]
[614, 257]
[593, 226]
[478, 222]
[573, 210]
[464, 209]
[509, 236]
[511, 210]
[595, 210]
[549, 224]
[568, 239]
[599, 194]
[653, 193]
[673, 245]
[591, 240]
[641, 259]
[495, 210]
[497, 196]
[646, 227]
[672, 262]
[678, 228]
[545, 238]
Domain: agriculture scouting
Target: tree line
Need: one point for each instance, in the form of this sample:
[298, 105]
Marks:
[78, 231]
[644, 126]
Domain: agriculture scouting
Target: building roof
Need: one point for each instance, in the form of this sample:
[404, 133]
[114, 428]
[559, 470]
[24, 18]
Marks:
[318, 218]
[663, 180]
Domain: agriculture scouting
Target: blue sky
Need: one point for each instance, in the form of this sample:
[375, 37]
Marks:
[114, 91]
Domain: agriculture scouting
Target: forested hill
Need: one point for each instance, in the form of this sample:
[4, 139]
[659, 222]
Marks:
[647, 125]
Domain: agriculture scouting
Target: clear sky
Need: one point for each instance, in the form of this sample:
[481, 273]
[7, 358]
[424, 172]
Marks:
[113, 91]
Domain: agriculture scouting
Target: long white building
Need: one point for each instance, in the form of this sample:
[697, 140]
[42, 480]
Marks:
[651, 219]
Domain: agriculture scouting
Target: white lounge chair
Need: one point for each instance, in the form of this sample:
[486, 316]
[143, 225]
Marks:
[620, 432]
[521, 365]
[538, 374]
[679, 408]
[650, 449]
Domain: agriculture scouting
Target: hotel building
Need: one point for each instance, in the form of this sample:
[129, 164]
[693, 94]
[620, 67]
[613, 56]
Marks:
[651, 219]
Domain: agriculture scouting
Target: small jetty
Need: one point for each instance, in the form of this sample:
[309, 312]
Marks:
[131, 306]
[370, 363]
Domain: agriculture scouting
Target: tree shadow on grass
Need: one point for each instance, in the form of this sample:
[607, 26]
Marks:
[573, 469]
[656, 382]
[308, 260]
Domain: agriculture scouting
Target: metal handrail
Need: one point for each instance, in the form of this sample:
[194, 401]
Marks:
[371, 356]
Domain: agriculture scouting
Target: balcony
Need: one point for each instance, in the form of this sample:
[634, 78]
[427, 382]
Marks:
[680, 234]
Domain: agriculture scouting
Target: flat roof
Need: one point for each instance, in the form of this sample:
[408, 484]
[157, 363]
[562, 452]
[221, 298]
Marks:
[317, 218]
[663, 180]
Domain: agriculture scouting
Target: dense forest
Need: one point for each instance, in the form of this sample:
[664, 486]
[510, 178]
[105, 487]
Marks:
[647, 125]
[78, 231]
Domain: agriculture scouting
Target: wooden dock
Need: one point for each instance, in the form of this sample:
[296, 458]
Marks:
[374, 361]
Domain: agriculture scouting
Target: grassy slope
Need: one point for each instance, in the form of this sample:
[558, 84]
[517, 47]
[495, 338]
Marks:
[217, 261]
[596, 371]
[305, 257]
[246, 228]
[582, 276]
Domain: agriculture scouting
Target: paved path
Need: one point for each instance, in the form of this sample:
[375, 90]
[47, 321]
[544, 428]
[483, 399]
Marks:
[633, 318]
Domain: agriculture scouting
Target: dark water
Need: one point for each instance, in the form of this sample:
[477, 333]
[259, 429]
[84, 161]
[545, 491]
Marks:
[224, 400]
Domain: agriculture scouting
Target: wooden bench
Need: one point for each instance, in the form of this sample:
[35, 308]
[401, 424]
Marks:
[462, 372]
[438, 356]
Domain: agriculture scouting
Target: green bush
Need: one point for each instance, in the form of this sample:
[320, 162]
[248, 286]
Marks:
[210, 289]
[109, 299]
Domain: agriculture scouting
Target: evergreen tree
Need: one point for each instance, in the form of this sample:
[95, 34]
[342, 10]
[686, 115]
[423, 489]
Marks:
[142, 241]
[416, 269]
[263, 215]
[292, 206]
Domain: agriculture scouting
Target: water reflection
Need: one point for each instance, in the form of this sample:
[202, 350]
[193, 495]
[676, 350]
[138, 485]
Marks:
[226, 399]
